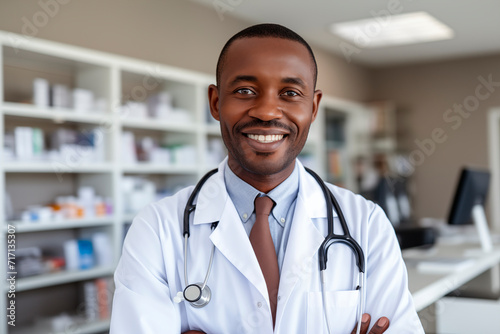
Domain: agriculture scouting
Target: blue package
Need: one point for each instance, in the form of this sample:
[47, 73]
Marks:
[86, 254]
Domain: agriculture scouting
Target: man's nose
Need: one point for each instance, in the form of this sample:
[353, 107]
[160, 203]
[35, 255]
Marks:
[267, 108]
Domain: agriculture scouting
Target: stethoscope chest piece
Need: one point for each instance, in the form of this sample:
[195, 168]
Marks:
[196, 295]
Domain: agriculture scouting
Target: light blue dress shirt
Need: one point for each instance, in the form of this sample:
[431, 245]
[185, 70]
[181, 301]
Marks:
[284, 195]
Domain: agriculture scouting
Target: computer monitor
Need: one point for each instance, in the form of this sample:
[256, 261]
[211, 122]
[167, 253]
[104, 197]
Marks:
[468, 203]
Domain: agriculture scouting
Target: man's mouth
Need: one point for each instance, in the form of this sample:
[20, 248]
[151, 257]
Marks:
[265, 138]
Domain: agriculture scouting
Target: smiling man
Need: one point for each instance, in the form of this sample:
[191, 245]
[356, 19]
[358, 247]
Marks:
[264, 114]
[246, 260]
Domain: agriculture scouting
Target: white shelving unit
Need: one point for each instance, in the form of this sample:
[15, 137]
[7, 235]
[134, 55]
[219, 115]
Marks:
[351, 118]
[115, 79]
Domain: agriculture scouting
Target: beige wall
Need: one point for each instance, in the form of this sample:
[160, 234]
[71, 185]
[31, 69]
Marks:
[174, 32]
[423, 94]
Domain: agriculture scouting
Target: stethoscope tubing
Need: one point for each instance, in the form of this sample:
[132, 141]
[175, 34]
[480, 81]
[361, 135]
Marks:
[190, 206]
[331, 237]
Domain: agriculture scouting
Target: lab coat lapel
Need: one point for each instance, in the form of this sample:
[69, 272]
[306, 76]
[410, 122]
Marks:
[304, 240]
[232, 241]
[230, 238]
[211, 200]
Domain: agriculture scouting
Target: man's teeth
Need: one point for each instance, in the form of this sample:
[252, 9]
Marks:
[266, 139]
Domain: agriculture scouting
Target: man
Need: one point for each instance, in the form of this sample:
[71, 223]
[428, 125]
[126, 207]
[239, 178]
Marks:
[264, 276]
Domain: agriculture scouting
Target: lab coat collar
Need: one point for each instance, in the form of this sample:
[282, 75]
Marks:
[212, 198]
[310, 192]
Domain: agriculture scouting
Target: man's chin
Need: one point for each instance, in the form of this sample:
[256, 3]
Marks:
[267, 166]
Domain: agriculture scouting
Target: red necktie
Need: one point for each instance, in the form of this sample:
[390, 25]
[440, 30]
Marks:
[263, 246]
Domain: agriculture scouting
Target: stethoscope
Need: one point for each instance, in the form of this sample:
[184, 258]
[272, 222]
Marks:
[198, 294]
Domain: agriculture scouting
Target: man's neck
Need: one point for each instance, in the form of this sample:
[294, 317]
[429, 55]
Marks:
[263, 183]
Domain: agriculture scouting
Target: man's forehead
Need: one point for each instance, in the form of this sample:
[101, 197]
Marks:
[258, 44]
[263, 51]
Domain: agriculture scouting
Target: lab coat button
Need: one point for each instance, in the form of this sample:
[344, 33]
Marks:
[245, 216]
[259, 304]
[282, 220]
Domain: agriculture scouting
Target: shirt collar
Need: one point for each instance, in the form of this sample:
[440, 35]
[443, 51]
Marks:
[243, 195]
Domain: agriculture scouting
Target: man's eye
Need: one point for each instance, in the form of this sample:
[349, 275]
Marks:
[244, 91]
[290, 93]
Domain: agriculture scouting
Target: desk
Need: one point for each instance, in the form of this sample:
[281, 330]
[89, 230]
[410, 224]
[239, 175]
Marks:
[428, 288]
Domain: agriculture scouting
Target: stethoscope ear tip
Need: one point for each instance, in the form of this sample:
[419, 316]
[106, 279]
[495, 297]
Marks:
[179, 297]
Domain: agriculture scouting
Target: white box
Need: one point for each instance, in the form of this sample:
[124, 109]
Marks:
[61, 97]
[24, 142]
[41, 92]
[83, 100]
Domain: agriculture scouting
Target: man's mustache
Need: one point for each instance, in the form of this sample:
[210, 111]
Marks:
[264, 124]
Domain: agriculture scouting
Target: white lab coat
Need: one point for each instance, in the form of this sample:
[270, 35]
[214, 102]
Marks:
[151, 269]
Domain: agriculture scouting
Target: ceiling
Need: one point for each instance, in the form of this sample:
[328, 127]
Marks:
[476, 25]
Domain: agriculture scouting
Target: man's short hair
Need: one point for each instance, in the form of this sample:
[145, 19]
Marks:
[262, 31]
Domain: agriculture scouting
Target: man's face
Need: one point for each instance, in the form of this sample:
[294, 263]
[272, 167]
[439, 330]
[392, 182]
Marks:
[265, 103]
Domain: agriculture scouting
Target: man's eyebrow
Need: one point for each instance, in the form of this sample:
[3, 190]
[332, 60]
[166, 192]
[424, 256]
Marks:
[295, 81]
[242, 78]
[251, 78]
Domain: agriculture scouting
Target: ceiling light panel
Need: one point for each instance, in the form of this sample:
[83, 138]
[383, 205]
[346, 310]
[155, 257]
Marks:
[390, 30]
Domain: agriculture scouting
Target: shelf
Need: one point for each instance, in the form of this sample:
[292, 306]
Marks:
[55, 114]
[84, 327]
[22, 227]
[159, 125]
[55, 167]
[146, 168]
[42, 281]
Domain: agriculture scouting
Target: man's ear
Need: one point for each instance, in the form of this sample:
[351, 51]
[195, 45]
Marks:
[318, 94]
[213, 101]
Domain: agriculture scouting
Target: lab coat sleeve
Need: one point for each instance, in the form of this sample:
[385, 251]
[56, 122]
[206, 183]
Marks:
[142, 302]
[387, 291]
